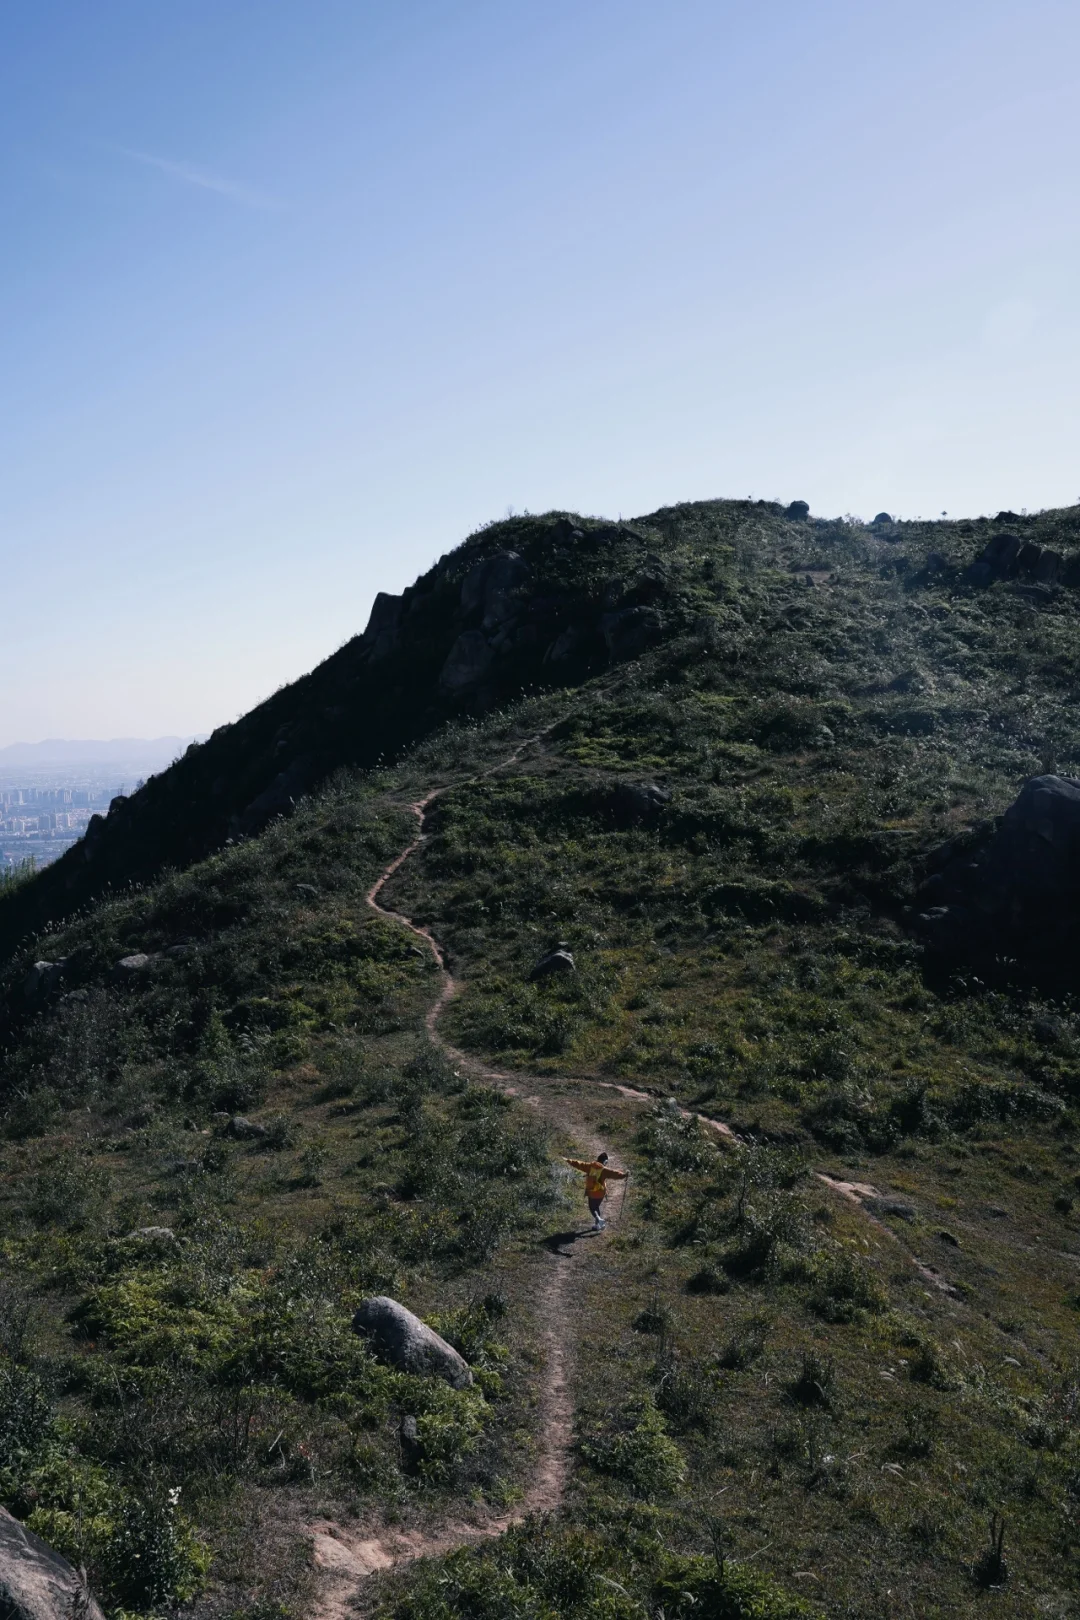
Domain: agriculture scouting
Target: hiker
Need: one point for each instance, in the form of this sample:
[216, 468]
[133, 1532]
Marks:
[597, 1176]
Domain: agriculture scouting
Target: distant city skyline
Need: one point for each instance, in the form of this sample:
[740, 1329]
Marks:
[295, 297]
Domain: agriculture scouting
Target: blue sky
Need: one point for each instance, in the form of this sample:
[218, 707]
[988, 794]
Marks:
[295, 295]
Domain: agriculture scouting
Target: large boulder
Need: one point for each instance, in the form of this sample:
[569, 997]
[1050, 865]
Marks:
[400, 1339]
[799, 510]
[1008, 899]
[35, 1582]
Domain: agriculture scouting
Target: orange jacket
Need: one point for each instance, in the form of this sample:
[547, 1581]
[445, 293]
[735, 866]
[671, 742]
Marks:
[596, 1174]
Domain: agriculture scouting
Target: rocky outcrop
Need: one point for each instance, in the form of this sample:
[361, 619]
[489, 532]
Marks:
[799, 510]
[467, 662]
[276, 800]
[401, 1340]
[1008, 900]
[1007, 556]
[383, 627]
[35, 1582]
[495, 587]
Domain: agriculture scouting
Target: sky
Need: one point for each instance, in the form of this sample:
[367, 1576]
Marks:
[296, 294]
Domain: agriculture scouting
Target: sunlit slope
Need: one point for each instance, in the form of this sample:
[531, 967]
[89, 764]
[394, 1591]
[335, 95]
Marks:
[832, 1348]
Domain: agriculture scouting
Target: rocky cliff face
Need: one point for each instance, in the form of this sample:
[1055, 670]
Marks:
[530, 603]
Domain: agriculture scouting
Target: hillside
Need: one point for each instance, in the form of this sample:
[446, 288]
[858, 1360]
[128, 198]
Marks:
[751, 771]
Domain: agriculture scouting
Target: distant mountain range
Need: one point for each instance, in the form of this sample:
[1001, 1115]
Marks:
[91, 751]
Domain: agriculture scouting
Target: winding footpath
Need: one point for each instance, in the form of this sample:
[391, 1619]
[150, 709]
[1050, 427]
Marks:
[346, 1557]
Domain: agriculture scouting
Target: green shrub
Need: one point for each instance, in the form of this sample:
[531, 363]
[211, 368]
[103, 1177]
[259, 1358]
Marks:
[700, 1589]
[815, 1382]
[153, 1555]
[644, 1457]
[842, 1286]
[26, 1415]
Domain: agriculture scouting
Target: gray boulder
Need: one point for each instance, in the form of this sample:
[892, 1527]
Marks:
[799, 510]
[881, 519]
[35, 1582]
[467, 662]
[135, 963]
[401, 1340]
[560, 960]
[154, 1237]
[245, 1130]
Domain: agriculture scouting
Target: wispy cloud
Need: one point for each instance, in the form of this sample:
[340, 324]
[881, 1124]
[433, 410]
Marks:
[187, 174]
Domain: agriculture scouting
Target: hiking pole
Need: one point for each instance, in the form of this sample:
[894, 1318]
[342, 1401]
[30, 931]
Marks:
[622, 1205]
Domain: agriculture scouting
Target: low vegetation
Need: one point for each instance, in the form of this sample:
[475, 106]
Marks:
[818, 1364]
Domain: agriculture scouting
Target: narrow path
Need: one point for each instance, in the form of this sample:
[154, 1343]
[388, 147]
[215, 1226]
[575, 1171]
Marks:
[347, 1558]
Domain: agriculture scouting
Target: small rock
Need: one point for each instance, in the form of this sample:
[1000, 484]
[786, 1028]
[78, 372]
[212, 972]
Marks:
[153, 1236]
[996, 1212]
[899, 1208]
[136, 962]
[308, 889]
[1010, 1361]
[949, 1238]
[401, 1339]
[560, 961]
[245, 1130]
[35, 1582]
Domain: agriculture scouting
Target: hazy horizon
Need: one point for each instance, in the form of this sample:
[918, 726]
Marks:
[94, 750]
[296, 299]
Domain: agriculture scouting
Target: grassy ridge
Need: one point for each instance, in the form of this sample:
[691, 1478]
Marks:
[772, 1397]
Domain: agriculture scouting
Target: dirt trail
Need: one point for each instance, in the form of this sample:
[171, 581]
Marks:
[347, 1557]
